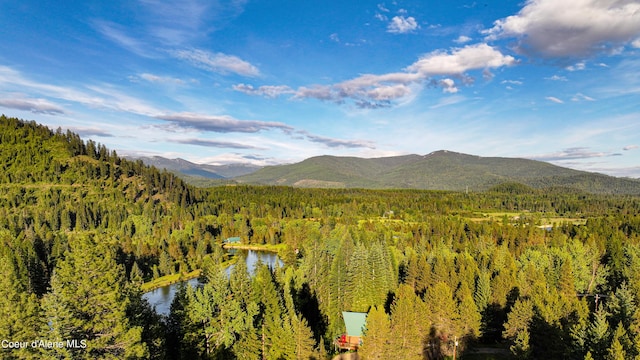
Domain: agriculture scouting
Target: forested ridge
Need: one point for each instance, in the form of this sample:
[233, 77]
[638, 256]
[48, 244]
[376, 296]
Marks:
[439, 170]
[542, 274]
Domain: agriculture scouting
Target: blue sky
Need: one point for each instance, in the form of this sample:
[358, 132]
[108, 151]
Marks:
[271, 81]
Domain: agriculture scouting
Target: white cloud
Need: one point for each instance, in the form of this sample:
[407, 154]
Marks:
[556, 78]
[158, 79]
[36, 106]
[268, 91]
[462, 39]
[577, 67]
[582, 97]
[375, 91]
[512, 82]
[636, 43]
[219, 123]
[218, 62]
[630, 147]
[572, 154]
[103, 96]
[578, 28]
[554, 99]
[402, 25]
[339, 143]
[448, 86]
[461, 60]
[381, 17]
[334, 37]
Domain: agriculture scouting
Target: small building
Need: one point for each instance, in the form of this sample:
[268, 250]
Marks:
[233, 240]
[355, 323]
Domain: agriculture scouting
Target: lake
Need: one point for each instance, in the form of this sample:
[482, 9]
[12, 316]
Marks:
[161, 298]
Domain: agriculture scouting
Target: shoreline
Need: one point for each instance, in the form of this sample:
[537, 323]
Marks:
[178, 277]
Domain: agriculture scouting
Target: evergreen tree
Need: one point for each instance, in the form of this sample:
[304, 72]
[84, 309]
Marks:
[616, 350]
[409, 324]
[622, 306]
[359, 281]
[376, 340]
[443, 314]
[274, 329]
[21, 318]
[247, 345]
[470, 317]
[598, 334]
[517, 327]
[88, 301]
[482, 294]
[220, 314]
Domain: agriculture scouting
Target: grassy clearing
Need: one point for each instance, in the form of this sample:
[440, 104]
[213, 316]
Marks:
[168, 280]
[176, 278]
[256, 247]
[545, 219]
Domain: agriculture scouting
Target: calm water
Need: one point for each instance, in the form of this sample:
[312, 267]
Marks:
[161, 298]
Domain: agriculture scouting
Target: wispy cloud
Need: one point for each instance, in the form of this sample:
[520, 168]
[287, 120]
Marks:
[402, 25]
[511, 82]
[119, 35]
[450, 100]
[220, 123]
[462, 39]
[90, 131]
[630, 147]
[556, 78]
[215, 144]
[582, 97]
[92, 96]
[572, 154]
[340, 143]
[217, 62]
[577, 67]
[566, 29]
[554, 99]
[268, 91]
[36, 106]
[371, 91]
[159, 79]
[175, 22]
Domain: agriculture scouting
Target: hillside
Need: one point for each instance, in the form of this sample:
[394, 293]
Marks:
[440, 170]
[184, 167]
[53, 186]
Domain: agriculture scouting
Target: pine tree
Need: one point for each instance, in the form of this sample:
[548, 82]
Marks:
[470, 318]
[359, 281]
[88, 301]
[247, 345]
[376, 340]
[622, 306]
[408, 324]
[274, 331]
[443, 313]
[598, 334]
[616, 350]
[482, 295]
[304, 343]
[20, 313]
[221, 315]
[517, 327]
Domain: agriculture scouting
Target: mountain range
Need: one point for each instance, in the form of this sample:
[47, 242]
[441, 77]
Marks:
[439, 170]
[185, 167]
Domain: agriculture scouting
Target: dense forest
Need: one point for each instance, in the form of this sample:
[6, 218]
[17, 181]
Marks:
[523, 272]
